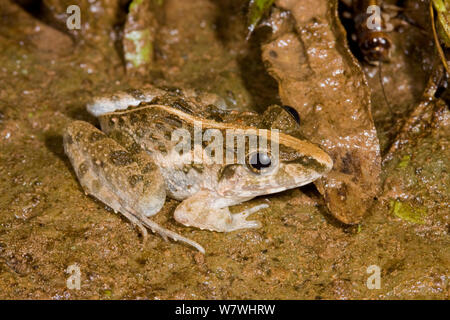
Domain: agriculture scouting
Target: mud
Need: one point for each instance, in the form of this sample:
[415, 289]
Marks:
[47, 223]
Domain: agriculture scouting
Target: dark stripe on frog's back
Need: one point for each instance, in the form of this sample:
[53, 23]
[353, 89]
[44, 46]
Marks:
[177, 101]
[191, 106]
[142, 117]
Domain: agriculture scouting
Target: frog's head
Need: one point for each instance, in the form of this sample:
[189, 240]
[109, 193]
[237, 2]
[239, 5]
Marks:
[288, 164]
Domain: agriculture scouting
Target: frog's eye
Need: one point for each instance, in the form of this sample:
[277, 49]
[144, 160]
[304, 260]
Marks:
[293, 113]
[259, 161]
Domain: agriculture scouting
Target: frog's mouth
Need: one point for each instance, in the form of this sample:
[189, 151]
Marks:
[245, 184]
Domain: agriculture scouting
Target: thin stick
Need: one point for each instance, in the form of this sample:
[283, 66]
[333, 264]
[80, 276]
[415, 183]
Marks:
[436, 40]
[382, 87]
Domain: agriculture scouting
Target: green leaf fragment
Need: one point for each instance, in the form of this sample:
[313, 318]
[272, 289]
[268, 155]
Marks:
[404, 162]
[443, 20]
[440, 5]
[143, 47]
[257, 9]
[134, 4]
[406, 212]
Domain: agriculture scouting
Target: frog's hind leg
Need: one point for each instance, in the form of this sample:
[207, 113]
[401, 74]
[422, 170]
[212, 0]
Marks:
[163, 232]
[137, 223]
[128, 182]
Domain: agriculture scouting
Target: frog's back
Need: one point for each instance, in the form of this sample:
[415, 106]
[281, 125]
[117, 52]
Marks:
[148, 118]
[188, 100]
[159, 131]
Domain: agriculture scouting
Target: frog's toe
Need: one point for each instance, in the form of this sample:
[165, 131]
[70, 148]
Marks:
[249, 224]
[254, 209]
[239, 220]
[144, 233]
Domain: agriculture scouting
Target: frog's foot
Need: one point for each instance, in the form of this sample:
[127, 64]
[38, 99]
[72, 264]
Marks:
[141, 221]
[239, 220]
[138, 224]
[202, 211]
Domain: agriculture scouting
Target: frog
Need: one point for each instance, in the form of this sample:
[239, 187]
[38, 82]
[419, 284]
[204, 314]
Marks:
[132, 162]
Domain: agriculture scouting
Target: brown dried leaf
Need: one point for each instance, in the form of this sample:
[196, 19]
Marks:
[318, 76]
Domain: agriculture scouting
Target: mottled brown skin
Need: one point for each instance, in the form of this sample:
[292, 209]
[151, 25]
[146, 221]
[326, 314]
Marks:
[111, 166]
[134, 162]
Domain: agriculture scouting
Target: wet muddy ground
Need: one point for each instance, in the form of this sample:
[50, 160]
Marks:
[47, 223]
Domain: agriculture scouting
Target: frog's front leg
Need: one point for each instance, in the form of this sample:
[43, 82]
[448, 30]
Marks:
[206, 210]
[128, 182]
